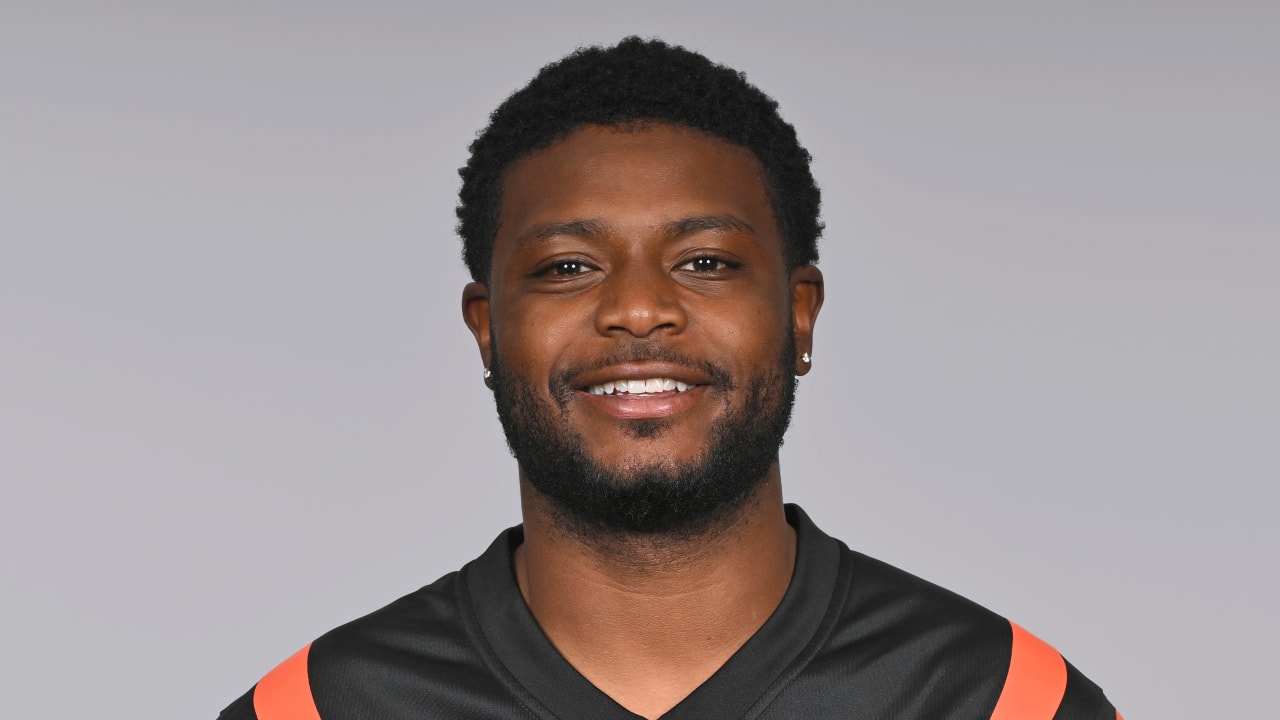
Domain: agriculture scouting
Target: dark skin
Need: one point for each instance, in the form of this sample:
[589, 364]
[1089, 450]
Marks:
[609, 238]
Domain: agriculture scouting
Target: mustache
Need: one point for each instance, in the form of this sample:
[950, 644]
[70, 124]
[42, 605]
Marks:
[563, 384]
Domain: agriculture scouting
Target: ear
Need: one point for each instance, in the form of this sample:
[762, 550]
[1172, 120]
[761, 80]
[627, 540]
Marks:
[806, 300]
[475, 312]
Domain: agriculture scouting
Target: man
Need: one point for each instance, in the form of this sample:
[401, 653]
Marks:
[641, 228]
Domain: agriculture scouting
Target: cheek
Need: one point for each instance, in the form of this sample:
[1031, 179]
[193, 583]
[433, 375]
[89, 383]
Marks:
[535, 336]
[752, 330]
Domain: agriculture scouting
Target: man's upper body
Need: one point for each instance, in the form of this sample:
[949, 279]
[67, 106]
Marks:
[851, 638]
[641, 228]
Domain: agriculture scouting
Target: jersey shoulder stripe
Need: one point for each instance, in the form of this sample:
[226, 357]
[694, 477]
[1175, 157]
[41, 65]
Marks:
[285, 692]
[1036, 682]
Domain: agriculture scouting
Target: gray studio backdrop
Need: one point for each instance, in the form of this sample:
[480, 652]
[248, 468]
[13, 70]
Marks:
[238, 405]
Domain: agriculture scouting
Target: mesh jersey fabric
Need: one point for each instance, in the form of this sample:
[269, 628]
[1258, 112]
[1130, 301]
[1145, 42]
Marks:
[852, 638]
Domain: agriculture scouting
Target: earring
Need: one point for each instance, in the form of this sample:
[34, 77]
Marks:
[804, 357]
[487, 374]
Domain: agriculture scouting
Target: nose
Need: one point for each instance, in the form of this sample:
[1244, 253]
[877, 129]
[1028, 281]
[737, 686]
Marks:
[639, 299]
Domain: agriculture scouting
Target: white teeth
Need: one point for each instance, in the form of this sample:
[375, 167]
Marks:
[638, 387]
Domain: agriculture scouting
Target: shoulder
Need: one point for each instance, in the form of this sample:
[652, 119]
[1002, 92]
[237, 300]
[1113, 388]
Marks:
[369, 666]
[425, 625]
[924, 651]
[887, 605]
[344, 656]
[915, 644]
[1040, 683]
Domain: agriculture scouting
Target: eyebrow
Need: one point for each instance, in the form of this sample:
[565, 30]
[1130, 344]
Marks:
[703, 223]
[673, 230]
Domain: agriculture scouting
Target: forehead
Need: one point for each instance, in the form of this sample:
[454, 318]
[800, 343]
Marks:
[634, 176]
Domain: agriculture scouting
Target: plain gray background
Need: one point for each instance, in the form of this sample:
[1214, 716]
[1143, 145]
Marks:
[238, 405]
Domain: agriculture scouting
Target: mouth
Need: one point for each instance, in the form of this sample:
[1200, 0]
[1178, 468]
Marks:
[651, 387]
[644, 391]
[647, 387]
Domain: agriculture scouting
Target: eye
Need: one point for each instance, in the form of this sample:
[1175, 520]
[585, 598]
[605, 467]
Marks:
[567, 271]
[567, 267]
[707, 264]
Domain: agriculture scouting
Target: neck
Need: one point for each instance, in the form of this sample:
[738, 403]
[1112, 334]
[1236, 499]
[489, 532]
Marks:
[648, 619]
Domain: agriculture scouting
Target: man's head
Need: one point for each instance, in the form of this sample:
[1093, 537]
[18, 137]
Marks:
[643, 313]
[638, 80]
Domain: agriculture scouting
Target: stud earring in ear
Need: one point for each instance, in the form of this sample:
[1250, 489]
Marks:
[804, 357]
[487, 374]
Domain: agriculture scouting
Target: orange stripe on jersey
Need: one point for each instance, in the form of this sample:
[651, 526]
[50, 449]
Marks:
[285, 692]
[1119, 716]
[1036, 682]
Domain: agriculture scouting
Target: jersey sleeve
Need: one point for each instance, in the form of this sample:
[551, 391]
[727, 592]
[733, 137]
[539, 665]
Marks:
[282, 694]
[1083, 700]
[241, 709]
[1042, 685]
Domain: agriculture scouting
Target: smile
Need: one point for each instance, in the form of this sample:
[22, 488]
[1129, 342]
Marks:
[650, 386]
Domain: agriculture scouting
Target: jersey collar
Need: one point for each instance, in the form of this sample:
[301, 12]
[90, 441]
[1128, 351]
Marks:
[519, 653]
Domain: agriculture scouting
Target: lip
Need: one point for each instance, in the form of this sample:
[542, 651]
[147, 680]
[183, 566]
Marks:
[644, 407]
[625, 406]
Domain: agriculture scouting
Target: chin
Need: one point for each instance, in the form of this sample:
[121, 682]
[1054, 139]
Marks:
[667, 477]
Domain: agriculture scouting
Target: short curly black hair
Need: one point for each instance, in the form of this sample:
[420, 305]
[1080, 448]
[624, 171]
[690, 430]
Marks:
[635, 81]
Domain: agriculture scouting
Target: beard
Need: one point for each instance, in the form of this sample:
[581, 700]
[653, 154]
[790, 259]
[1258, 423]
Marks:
[665, 497]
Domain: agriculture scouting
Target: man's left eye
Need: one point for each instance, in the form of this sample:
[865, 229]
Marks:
[568, 267]
[705, 264]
